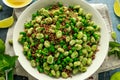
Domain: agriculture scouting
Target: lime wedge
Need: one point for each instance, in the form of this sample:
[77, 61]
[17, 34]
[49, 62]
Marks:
[2, 47]
[7, 22]
[117, 7]
[115, 76]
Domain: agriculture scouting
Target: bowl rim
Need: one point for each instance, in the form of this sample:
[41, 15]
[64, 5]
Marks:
[107, 44]
[6, 3]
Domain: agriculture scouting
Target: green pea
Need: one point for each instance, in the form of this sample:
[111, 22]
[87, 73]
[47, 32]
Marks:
[89, 28]
[64, 46]
[46, 36]
[78, 46]
[90, 54]
[97, 28]
[27, 25]
[84, 61]
[88, 16]
[40, 69]
[52, 48]
[83, 69]
[52, 66]
[59, 34]
[30, 31]
[68, 67]
[92, 39]
[56, 67]
[68, 58]
[73, 20]
[75, 29]
[78, 24]
[88, 48]
[77, 63]
[89, 61]
[33, 63]
[64, 75]
[74, 54]
[57, 74]
[67, 25]
[47, 44]
[53, 72]
[113, 35]
[76, 7]
[50, 59]
[29, 55]
[67, 39]
[48, 20]
[84, 51]
[72, 42]
[118, 26]
[47, 68]
[60, 20]
[58, 24]
[80, 52]
[71, 64]
[45, 50]
[60, 50]
[80, 35]
[58, 62]
[61, 56]
[94, 47]
[81, 11]
[25, 48]
[68, 30]
[57, 54]
[80, 57]
[75, 59]
[50, 74]
[75, 35]
[42, 40]
[79, 41]
[60, 67]
[66, 53]
[73, 48]
[85, 37]
[62, 42]
[75, 71]
[70, 52]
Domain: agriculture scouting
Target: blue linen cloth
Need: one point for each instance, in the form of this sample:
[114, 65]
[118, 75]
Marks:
[5, 13]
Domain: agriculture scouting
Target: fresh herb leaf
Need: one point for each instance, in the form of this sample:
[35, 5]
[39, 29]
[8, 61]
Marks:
[7, 62]
[118, 54]
[4, 65]
[114, 49]
[114, 44]
[10, 74]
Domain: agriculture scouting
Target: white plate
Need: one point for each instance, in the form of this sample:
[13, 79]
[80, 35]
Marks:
[26, 15]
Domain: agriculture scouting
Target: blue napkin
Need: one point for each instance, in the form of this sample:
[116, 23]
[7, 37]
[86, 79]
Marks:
[6, 12]
[107, 74]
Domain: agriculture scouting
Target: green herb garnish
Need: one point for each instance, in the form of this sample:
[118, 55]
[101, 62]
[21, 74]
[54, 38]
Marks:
[114, 49]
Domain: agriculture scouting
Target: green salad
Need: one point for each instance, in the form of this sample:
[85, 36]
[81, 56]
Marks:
[60, 41]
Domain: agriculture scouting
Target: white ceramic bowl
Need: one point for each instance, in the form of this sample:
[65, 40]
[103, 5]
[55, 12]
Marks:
[100, 55]
[17, 6]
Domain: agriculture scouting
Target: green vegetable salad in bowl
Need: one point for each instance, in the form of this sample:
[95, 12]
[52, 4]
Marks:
[60, 40]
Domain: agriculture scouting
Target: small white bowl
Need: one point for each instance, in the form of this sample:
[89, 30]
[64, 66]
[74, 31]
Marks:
[17, 6]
